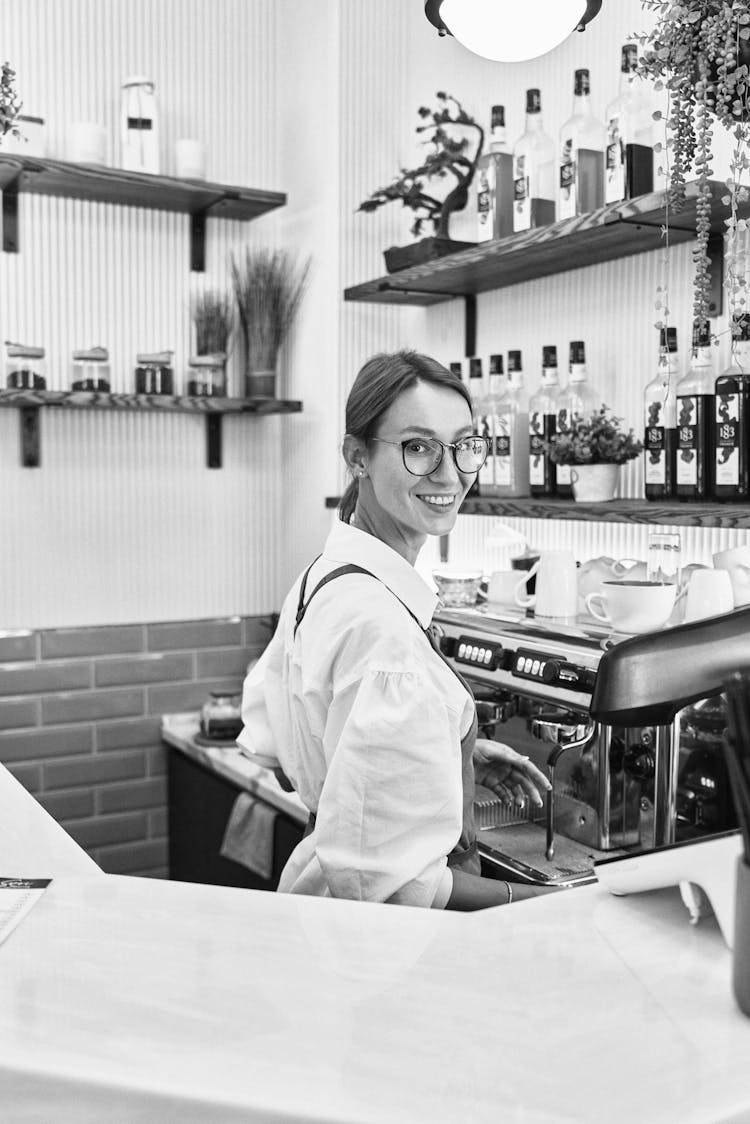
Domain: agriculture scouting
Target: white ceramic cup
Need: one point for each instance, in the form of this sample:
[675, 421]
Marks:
[736, 561]
[708, 594]
[189, 159]
[633, 606]
[556, 585]
[502, 586]
[87, 143]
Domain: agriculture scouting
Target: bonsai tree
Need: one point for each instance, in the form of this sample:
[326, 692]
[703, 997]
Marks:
[446, 157]
[10, 104]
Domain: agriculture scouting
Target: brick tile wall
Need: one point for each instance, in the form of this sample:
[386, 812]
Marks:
[80, 712]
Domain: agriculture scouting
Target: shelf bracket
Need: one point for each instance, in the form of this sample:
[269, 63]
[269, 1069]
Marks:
[470, 309]
[198, 241]
[10, 216]
[213, 440]
[30, 436]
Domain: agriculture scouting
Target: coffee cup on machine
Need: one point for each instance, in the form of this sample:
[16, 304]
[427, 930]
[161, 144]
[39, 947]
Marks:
[556, 593]
[736, 561]
[633, 606]
[502, 586]
[708, 594]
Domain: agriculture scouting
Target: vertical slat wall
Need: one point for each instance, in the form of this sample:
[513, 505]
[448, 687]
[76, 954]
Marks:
[610, 306]
[123, 521]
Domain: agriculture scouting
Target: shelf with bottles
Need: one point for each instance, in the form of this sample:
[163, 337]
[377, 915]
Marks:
[213, 408]
[732, 516]
[96, 183]
[615, 231]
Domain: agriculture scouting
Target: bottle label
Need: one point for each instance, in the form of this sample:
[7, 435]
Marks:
[689, 428]
[502, 451]
[521, 198]
[563, 470]
[541, 428]
[656, 457]
[140, 123]
[568, 174]
[484, 427]
[484, 217]
[728, 439]
[614, 187]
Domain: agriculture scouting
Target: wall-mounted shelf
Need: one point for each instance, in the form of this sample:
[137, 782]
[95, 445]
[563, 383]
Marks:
[197, 198]
[735, 516]
[616, 231]
[29, 403]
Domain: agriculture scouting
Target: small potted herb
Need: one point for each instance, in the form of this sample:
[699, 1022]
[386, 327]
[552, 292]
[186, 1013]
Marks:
[213, 316]
[596, 446]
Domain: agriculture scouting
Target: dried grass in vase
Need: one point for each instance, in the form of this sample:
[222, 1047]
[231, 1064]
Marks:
[268, 287]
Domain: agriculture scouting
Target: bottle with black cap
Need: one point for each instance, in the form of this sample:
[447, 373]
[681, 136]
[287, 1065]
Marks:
[581, 157]
[543, 407]
[512, 434]
[533, 170]
[629, 164]
[495, 183]
[482, 421]
[732, 421]
[490, 477]
[578, 400]
[660, 437]
[695, 421]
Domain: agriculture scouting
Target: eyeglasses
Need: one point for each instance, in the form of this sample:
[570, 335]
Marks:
[423, 455]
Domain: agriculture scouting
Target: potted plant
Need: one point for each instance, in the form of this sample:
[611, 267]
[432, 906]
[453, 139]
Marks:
[213, 316]
[268, 288]
[698, 51]
[596, 445]
[447, 156]
[10, 103]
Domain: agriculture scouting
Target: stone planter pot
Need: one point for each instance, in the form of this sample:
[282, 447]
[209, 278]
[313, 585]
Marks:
[260, 384]
[427, 249]
[594, 483]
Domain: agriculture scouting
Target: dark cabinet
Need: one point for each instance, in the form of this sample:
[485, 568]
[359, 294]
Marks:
[200, 803]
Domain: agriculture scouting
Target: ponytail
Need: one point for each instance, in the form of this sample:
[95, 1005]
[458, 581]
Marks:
[348, 501]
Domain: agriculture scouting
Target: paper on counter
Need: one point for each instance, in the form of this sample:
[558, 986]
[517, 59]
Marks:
[17, 897]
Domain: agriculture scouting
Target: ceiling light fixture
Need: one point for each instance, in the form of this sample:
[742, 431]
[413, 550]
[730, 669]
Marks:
[510, 30]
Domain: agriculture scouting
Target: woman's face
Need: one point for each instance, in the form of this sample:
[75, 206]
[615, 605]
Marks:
[401, 508]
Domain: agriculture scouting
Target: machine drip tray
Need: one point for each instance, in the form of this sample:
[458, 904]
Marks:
[516, 851]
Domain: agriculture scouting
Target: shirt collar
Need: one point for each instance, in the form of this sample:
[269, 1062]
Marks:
[347, 544]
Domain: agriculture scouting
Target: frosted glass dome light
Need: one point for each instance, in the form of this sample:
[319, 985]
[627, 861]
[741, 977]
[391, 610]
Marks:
[510, 30]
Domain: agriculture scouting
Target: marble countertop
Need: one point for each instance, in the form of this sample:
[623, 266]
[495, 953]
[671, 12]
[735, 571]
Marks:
[179, 730]
[148, 1001]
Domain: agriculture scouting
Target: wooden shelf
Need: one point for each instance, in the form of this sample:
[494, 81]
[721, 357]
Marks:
[29, 403]
[197, 198]
[616, 231]
[736, 516]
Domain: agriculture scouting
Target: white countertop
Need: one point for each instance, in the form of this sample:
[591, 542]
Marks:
[138, 1000]
[179, 730]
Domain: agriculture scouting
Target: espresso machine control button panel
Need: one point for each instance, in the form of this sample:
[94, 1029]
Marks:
[551, 670]
[478, 653]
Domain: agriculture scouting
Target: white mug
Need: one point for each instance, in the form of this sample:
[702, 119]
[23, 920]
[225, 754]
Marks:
[556, 585]
[502, 587]
[708, 594]
[189, 159]
[633, 606]
[736, 561]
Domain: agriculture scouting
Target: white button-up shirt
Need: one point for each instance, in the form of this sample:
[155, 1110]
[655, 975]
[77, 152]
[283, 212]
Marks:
[366, 720]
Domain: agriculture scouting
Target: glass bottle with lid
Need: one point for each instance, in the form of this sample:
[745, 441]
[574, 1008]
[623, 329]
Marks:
[154, 374]
[24, 368]
[91, 370]
[207, 375]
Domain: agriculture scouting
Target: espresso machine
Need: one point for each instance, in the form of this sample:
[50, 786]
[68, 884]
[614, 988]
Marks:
[628, 729]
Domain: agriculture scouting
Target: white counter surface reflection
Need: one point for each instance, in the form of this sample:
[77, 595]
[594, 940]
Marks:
[138, 1000]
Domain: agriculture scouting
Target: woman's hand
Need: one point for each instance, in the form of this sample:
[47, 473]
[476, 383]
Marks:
[510, 775]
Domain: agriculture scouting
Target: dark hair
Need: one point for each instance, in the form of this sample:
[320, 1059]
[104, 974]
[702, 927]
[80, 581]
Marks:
[376, 387]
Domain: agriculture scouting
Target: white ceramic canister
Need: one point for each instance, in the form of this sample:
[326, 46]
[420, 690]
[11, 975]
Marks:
[139, 126]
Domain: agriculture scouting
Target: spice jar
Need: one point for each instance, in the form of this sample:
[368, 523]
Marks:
[154, 374]
[24, 367]
[207, 375]
[91, 370]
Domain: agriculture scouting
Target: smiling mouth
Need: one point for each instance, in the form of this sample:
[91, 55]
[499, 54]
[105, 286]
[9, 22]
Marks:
[438, 502]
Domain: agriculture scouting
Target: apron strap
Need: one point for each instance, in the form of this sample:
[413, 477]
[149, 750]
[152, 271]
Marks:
[302, 606]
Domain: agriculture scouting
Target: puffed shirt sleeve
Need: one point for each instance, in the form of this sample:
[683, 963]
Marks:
[390, 808]
[257, 737]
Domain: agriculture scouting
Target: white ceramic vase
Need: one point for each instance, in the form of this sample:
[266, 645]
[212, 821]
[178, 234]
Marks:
[594, 483]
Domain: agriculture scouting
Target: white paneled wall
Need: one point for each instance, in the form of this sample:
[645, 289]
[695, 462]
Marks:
[123, 521]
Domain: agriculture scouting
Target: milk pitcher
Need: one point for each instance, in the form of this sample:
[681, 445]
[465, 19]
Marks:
[556, 585]
[139, 131]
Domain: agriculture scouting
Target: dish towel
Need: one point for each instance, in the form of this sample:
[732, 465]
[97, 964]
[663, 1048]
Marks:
[248, 836]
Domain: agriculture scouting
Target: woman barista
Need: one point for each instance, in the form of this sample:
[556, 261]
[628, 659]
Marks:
[352, 700]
